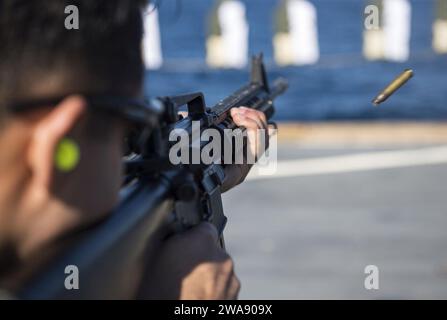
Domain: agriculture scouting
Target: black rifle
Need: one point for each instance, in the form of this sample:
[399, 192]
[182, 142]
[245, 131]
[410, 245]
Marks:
[158, 198]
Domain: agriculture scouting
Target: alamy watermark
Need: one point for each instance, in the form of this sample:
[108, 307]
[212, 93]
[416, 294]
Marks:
[227, 146]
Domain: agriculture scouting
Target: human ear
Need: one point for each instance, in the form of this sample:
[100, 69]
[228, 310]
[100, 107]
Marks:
[48, 133]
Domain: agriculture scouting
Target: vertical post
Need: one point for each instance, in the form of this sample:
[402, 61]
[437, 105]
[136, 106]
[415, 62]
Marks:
[228, 32]
[390, 41]
[296, 33]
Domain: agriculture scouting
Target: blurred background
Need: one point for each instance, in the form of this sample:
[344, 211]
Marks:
[356, 185]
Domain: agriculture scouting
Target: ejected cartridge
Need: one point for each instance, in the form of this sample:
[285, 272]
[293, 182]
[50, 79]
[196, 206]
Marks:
[393, 86]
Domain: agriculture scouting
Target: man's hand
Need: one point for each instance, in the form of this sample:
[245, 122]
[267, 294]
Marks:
[191, 266]
[256, 124]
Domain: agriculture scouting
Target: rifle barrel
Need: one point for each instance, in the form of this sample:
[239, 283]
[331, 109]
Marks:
[253, 95]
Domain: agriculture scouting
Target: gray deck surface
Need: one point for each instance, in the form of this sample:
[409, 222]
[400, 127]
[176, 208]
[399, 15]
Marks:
[310, 237]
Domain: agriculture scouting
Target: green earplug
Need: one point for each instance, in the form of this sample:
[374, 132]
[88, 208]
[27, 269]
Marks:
[67, 155]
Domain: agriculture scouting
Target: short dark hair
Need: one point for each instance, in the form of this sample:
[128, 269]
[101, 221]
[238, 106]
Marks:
[103, 56]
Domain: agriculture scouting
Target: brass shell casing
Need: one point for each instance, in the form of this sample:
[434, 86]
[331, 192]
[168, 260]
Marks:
[393, 86]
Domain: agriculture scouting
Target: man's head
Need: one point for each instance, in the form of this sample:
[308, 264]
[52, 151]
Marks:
[41, 59]
[40, 56]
